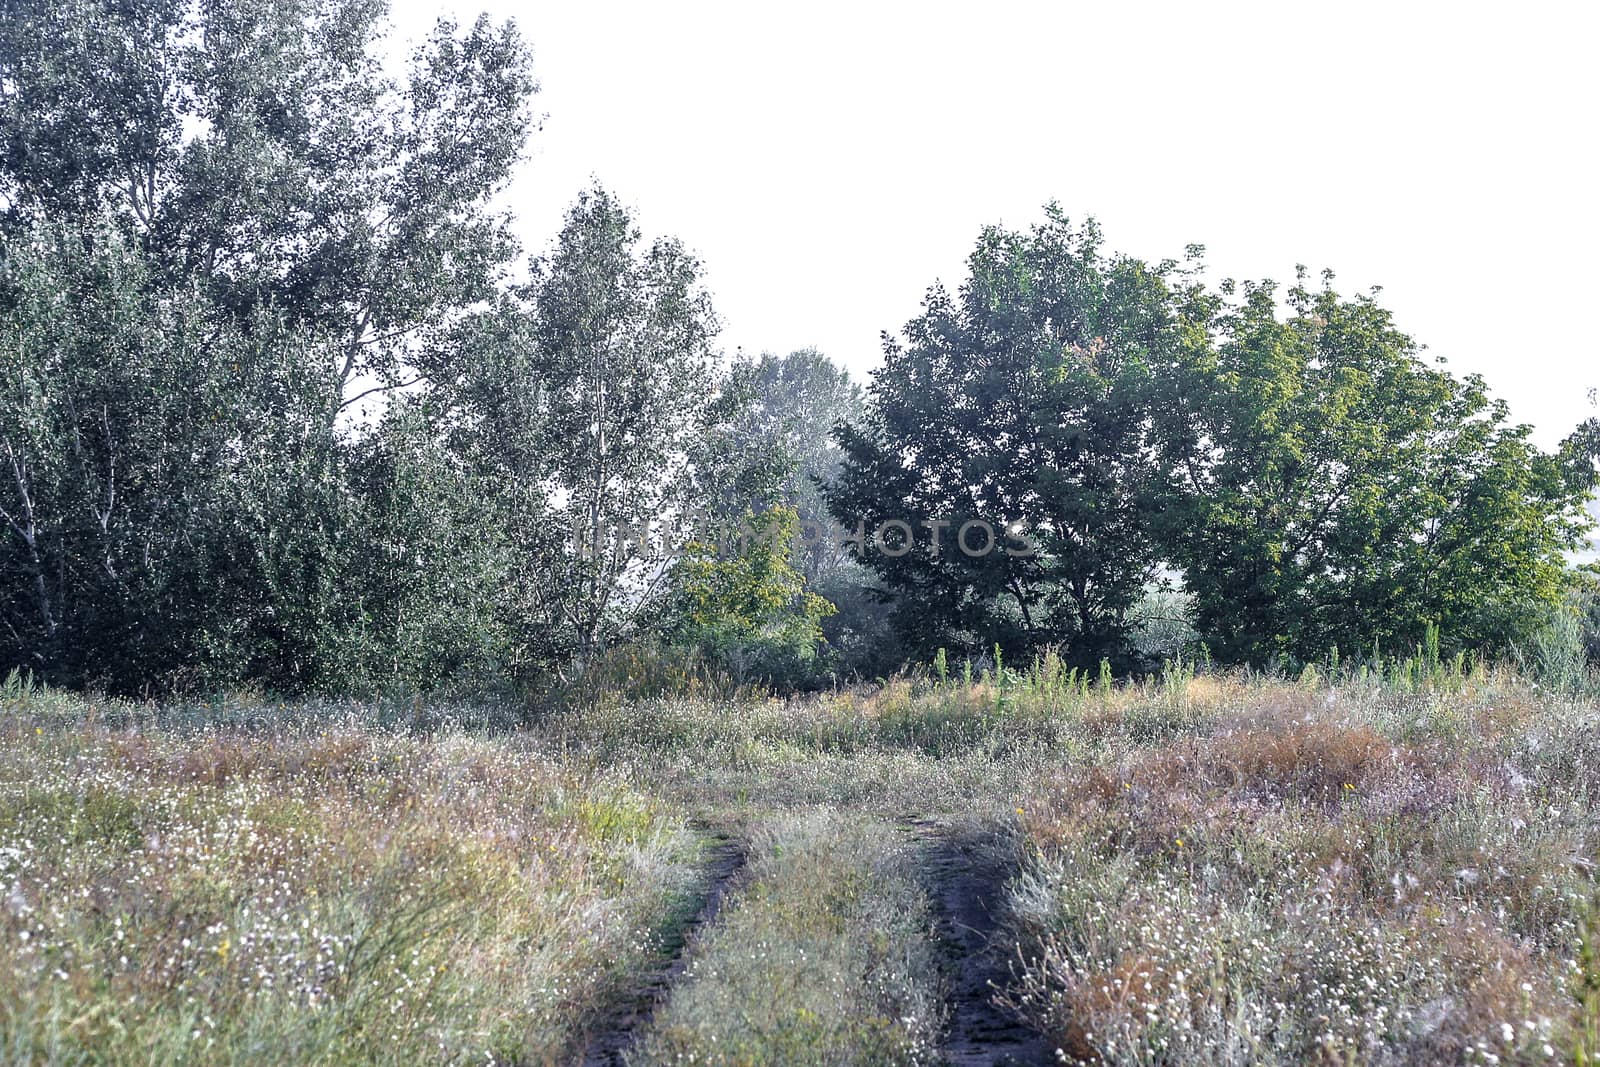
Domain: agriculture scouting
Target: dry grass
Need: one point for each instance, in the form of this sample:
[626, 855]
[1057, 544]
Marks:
[1214, 869]
[348, 896]
[1341, 877]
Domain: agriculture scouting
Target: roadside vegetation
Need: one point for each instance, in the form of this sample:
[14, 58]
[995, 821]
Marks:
[1355, 865]
[1292, 875]
[331, 893]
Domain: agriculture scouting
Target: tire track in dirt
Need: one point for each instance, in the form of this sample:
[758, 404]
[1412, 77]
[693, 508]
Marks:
[967, 881]
[630, 1016]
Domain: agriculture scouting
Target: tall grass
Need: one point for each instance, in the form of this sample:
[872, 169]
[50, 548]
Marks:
[346, 896]
[1362, 860]
[1361, 874]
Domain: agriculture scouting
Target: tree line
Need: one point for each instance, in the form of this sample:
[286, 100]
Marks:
[285, 405]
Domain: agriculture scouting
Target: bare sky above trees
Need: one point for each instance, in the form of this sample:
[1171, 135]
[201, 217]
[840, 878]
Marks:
[829, 161]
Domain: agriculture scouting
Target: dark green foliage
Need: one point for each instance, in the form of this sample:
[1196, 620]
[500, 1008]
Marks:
[224, 227]
[1023, 400]
[428, 591]
[1586, 603]
[1336, 490]
[1312, 481]
[150, 449]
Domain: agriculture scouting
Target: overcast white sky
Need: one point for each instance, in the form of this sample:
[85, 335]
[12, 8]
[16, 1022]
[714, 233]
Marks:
[829, 161]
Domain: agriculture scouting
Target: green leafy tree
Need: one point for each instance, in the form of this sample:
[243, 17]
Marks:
[223, 227]
[429, 595]
[491, 411]
[624, 335]
[1336, 490]
[775, 443]
[151, 454]
[792, 404]
[1021, 402]
[258, 154]
[585, 396]
[749, 610]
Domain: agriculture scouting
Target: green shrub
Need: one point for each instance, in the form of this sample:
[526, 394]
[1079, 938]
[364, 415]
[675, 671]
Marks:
[749, 612]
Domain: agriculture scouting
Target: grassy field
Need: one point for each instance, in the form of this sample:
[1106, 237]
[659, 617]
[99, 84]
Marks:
[1217, 869]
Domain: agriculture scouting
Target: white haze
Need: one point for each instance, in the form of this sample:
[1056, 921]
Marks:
[829, 161]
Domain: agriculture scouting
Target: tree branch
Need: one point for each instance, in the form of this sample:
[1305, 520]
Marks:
[381, 389]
